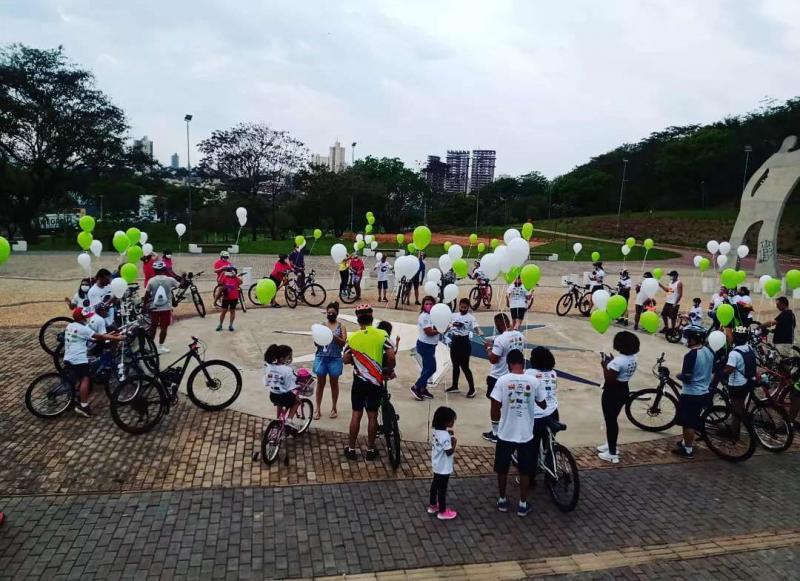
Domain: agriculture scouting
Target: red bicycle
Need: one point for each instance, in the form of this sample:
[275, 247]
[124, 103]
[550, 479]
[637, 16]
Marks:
[481, 293]
[277, 430]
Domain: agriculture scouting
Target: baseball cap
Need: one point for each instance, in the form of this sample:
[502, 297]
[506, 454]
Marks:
[77, 313]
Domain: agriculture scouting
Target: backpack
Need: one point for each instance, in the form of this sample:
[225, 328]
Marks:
[161, 299]
[750, 365]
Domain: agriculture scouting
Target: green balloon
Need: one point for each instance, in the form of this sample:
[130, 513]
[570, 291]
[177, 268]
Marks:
[704, 264]
[772, 287]
[473, 238]
[401, 238]
[512, 274]
[86, 223]
[658, 273]
[368, 228]
[530, 275]
[793, 279]
[134, 253]
[481, 247]
[369, 215]
[299, 240]
[421, 237]
[595, 256]
[494, 243]
[649, 322]
[729, 278]
[5, 250]
[447, 244]
[616, 306]
[741, 276]
[630, 242]
[85, 239]
[129, 272]
[120, 242]
[370, 220]
[133, 234]
[460, 267]
[265, 291]
[411, 248]
[527, 230]
[648, 244]
[725, 314]
[360, 245]
[317, 234]
[600, 321]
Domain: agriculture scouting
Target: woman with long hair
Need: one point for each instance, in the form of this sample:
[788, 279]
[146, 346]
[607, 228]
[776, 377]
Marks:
[426, 348]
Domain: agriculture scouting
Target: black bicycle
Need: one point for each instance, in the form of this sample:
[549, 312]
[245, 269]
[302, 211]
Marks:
[655, 409]
[576, 296]
[218, 292]
[348, 295]
[402, 293]
[51, 334]
[389, 427]
[140, 402]
[187, 285]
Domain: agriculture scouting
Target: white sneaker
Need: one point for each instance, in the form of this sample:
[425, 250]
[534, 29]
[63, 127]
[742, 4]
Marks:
[604, 448]
[163, 349]
[613, 458]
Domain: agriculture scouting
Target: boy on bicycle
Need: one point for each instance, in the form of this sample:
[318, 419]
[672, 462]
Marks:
[280, 379]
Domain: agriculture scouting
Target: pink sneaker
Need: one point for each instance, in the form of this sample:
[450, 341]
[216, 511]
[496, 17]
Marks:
[433, 509]
[449, 514]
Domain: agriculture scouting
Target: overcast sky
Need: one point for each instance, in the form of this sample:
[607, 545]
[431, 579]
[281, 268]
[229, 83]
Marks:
[546, 84]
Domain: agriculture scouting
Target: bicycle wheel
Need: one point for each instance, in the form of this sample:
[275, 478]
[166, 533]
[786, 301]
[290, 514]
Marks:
[217, 296]
[391, 431]
[251, 294]
[52, 333]
[144, 350]
[138, 404]
[566, 486]
[652, 410]
[271, 441]
[291, 296]
[197, 299]
[305, 412]
[49, 395]
[474, 298]
[348, 295]
[398, 297]
[564, 304]
[722, 441]
[214, 385]
[241, 303]
[314, 295]
[673, 335]
[772, 426]
[487, 296]
[585, 304]
[58, 358]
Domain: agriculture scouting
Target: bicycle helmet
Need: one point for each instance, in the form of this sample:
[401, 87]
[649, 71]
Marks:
[159, 265]
[694, 332]
[365, 309]
[740, 335]
[224, 254]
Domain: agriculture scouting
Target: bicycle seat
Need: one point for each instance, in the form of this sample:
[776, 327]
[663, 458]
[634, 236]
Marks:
[556, 426]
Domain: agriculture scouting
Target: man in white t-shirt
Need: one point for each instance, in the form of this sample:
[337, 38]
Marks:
[504, 342]
[100, 292]
[158, 299]
[640, 299]
[672, 302]
[515, 398]
[517, 301]
[743, 304]
[383, 268]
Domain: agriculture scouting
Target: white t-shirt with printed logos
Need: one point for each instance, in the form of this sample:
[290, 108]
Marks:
[517, 297]
[696, 315]
[423, 322]
[383, 269]
[625, 366]
[279, 378]
[502, 346]
[98, 294]
[97, 324]
[76, 343]
[517, 394]
[440, 443]
[462, 325]
[549, 381]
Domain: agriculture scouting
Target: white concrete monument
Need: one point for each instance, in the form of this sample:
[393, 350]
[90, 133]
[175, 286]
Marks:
[763, 201]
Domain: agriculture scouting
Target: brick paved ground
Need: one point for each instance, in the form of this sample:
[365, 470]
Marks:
[279, 532]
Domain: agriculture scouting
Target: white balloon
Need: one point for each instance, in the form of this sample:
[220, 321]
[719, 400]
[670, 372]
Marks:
[241, 213]
[369, 238]
[503, 258]
[338, 253]
[96, 247]
[85, 260]
[697, 260]
[359, 237]
[625, 250]
[119, 232]
[242, 221]
[716, 340]
[600, 298]
[518, 251]
[577, 247]
[445, 263]
[434, 274]
[118, 287]
[765, 278]
[180, 229]
[712, 246]
[455, 252]
[321, 334]
[742, 251]
[490, 266]
[650, 287]
[378, 256]
[142, 237]
[432, 288]
[373, 245]
[510, 235]
[724, 247]
[147, 249]
[406, 266]
[440, 316]
[450, 293]
[722, 260]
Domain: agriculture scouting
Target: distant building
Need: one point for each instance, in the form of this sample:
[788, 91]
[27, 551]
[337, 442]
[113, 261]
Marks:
[435, 173]
[336, 157]
[457, 171]
[318, 159]
[147, 208]
[174, 161]
[483, 162]
[144, 145]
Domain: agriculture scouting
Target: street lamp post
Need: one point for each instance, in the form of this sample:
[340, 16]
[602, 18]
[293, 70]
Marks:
[352, 192]
[703, 194]
[747, 150]
[188, 118]
[622, 189]
[101, 207]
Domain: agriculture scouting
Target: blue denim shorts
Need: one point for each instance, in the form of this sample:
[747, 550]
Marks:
[332, 366]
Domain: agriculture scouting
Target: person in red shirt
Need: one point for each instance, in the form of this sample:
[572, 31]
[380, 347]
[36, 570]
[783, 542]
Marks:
[282, 267]
[220, 266]
[357, 268]
[147, 266]
[231, 290]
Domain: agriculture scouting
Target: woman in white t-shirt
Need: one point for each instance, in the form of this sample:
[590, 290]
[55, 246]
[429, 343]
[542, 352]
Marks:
[617, 372]
[426, 348]
[518, 300]
[443, 445]
[462, 325]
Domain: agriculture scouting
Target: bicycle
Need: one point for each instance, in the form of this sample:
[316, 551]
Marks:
[348, 295]
[139, 403]
[576, 296]
[481, 293]
[655, 410]
[402, 293]
[188, 285]
[218, 290]
[388, 425]
[675, 334]
[52, 333]
[273, 437]
[311, 293]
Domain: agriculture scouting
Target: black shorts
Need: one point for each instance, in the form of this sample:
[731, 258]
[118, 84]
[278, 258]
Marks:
[230, 304]
[383, 284]
[739, 392]
[77, 370]
[525, 456]
[415, 281]
[364, 395]
[670, 311]
[285, 400]
[518, 313]
[490, 382]
[690, 409]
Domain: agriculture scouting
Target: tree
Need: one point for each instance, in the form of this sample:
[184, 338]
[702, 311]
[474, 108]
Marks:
[54, 123]
[255, 162]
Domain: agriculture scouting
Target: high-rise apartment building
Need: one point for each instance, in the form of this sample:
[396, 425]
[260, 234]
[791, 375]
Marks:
[435, 173]
[322, 160]
[174, 161]
[144, 145]
[336, 157]
[457, 171]
[483, 162]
